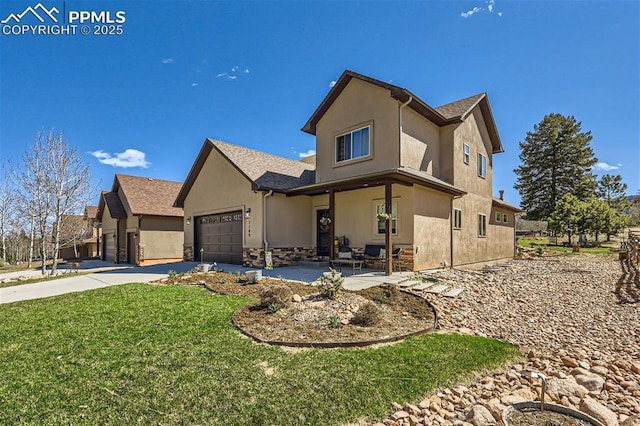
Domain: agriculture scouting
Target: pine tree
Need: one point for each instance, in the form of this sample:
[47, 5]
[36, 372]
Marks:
[612, 190]
[556, 159]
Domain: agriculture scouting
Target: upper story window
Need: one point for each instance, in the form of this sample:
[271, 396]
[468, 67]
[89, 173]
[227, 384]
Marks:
[457, 219]
[465, 153]
[354, 144]
[482, 166]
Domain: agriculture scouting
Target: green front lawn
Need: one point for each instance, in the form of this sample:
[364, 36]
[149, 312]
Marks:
[147, 354]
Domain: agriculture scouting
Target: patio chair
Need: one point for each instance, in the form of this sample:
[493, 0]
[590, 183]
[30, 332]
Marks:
[395, 258]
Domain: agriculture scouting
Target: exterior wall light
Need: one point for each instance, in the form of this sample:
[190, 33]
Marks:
[189, 221]
[247, 213]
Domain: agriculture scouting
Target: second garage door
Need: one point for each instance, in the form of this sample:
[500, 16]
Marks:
[109, 248]
[220, 235]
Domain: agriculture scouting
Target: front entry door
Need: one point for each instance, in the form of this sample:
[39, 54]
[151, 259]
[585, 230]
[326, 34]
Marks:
[323, 234]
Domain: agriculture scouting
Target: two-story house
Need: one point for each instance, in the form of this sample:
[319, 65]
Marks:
[380, 150]
[138, 221]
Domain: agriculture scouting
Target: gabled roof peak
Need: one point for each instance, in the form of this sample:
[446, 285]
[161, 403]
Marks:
[453, 112]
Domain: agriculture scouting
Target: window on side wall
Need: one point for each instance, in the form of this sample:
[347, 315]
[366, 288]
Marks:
[465, 153]
[482, 225]
[505, 218]
[482, 166]
[354, 144]
[498, 217]
[381, 224]
[457, 219]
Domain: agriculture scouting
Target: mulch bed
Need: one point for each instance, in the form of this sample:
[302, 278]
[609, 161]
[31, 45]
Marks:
[316, 321]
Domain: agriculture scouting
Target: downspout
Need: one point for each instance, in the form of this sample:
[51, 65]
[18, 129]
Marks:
[264, 225]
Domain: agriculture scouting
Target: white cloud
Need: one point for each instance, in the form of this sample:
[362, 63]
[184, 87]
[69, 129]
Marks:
[333, 83]
[246, 70]
[194, 84]
[168, 61]
[470, 12]
[129, 158]
[490, 7]
[606, 167]
[234, 69]
[307, 154]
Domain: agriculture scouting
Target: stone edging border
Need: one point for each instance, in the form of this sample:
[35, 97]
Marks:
[361, 343]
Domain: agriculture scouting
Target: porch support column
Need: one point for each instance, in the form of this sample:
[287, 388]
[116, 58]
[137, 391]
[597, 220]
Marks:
[332, 228]
[388, 209]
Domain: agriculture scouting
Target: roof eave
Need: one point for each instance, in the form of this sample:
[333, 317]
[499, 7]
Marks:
[503, 204]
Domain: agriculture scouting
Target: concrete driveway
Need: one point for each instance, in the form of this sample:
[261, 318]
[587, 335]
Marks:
[103, 274]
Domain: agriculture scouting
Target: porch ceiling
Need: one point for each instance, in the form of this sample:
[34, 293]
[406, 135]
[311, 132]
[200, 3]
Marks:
[402, 176]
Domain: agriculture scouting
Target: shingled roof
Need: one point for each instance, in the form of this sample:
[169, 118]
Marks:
[451, 113]
[459, 108]
[113, 202]
[264, 171]
[91, 212]
[149, 196]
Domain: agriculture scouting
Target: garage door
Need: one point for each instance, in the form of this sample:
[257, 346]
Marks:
[220, 236]
[109, 248]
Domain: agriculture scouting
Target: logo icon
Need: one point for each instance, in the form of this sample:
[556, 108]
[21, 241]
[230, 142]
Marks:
[34, 11]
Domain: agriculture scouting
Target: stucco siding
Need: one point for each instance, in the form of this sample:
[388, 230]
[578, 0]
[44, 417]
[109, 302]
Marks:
[160, 245]
[420, 145]
[473, 133]
[432, 238]
[359, 104]
[288, 223]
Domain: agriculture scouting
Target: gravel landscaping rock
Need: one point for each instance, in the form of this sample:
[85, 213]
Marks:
[566, 317]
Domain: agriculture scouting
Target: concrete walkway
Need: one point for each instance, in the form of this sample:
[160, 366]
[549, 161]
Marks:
[103, 274]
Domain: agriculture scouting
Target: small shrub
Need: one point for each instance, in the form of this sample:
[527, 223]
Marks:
[277, 295]
[240, 277]
[330, 286]
[380, 298]
[172, 273]
[368, 314]
[273, 308]
[334, 322]
[389, 290]
[223, 280]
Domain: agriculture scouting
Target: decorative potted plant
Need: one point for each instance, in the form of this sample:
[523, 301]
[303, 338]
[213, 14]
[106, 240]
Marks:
[382, 217]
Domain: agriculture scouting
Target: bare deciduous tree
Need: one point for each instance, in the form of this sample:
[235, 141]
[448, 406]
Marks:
[7, 208]
[56, 182]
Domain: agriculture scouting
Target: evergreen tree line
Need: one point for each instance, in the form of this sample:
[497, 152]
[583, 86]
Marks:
[556, 181]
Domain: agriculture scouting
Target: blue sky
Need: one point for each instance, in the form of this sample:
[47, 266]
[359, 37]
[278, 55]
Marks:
[252, 73]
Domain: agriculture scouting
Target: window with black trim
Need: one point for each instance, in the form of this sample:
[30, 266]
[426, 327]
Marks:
[457, 219]
[354, 144]
[482, 166]
[482, 225]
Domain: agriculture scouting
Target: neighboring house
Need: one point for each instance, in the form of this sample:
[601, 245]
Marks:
[79, 235]
[379, 148]
[139, 224]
